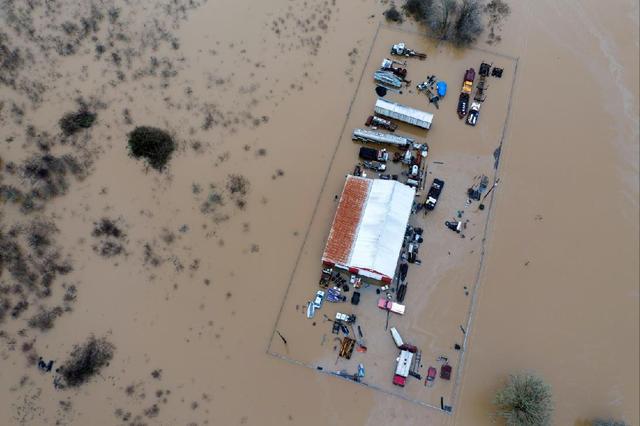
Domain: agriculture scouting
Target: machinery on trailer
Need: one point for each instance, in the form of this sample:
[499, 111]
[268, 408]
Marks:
[388, 65]
[400, 49]
[465, 92]
[375, 121]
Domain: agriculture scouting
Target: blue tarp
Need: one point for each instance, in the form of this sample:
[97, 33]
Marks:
[442, 88]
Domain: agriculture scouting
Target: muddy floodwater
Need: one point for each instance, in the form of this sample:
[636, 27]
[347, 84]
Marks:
[179, 275]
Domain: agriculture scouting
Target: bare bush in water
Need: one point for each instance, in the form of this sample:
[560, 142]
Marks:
[525, 400]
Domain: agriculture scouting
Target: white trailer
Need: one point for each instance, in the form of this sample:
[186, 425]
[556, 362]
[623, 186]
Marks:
[404, 113]
[396, 337]
[364, 135]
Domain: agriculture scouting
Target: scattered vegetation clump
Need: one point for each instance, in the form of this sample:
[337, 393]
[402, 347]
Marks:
[11, 61]
[34, 269]
[107, 227]
[150, 256]
[468, 24]
[213, 202]
[152, 144]
[496, 11]
[392, 14]
[238, 186]
[47, 175]
[85, 361]
[45, 319]
[459, 21]
[72, 122]
[111, 237]
[524, 401]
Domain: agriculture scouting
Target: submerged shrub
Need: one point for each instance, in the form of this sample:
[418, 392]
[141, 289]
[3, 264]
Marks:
[152, 144]
[392, 14]
[86, 361]
[74, 121]
[460, 21]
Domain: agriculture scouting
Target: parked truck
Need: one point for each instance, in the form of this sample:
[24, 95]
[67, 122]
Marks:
[465, 92]
[434, 194]
[371, 154]
[388, 305]
[402, 368]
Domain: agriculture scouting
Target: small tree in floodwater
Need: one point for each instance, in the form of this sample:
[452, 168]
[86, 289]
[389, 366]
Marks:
[467, 26]
[392, 14]
[152, 144]
[459, 21]
[72, 122]
[525, 400]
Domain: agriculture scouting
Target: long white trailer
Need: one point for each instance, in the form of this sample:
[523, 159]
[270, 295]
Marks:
[364, 135]
[404, 113]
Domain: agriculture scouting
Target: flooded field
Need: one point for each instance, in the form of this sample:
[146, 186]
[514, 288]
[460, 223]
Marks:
[180, 274]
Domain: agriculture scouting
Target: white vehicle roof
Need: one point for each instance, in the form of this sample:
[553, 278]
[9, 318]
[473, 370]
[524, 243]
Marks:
[396, 337]
[404, 363]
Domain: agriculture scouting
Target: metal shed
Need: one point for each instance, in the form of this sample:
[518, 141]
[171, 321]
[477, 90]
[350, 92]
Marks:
[368, 229]
[404, 113]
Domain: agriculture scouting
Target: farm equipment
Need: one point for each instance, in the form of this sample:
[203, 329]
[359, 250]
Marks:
[454, 225]
[374, 165]
[388, 65]
[401, 50]
[375, 121]
[346, 347]
[481, 87]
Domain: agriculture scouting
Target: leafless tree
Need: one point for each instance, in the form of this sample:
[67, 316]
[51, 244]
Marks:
[439, 17]
[460, 21]
[468, 24]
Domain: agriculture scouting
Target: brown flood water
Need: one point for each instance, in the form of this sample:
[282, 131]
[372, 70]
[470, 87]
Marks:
[559, 289]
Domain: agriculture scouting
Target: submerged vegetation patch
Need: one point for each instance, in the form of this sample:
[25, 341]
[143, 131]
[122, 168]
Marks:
[458, 21]
[152, 144]
[110, 237]
[72, 122]
[85, 361]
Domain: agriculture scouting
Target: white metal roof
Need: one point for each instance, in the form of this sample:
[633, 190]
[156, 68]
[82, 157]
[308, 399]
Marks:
[404, 113]
[382, 227]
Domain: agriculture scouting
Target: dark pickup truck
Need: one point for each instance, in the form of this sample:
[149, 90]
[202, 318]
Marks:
[371, 154]
[434, 194]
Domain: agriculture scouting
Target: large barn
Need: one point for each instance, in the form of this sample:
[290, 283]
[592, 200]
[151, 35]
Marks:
[369, 226]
